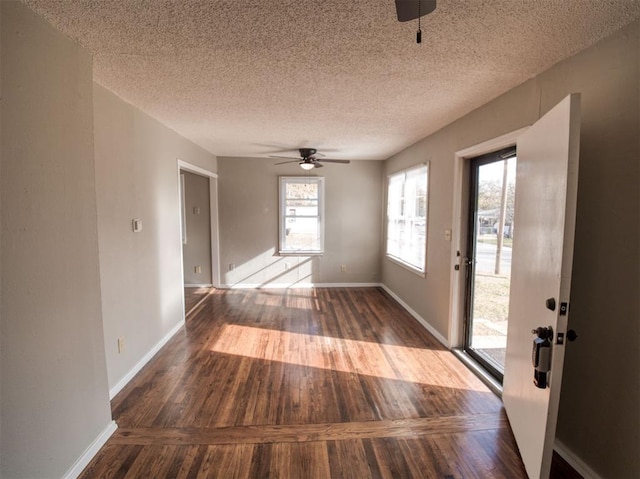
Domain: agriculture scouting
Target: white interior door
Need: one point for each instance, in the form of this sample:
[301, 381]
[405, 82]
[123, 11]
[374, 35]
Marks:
[546, 178]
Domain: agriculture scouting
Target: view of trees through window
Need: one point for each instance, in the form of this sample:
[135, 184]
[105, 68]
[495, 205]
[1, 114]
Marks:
[493, 240]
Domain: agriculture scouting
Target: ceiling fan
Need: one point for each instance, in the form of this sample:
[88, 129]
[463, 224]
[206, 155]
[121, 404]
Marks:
[309, 159]
[412, 9]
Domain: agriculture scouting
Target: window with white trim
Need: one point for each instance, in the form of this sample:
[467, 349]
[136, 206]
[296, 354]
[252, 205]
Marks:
[407, 203]
[301, 215]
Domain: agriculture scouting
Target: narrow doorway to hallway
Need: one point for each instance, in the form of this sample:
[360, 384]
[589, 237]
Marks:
[488, 272]
[196, 238]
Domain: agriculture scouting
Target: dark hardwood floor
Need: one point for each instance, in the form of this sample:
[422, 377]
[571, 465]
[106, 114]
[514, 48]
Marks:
[193, 296]
[306, 383]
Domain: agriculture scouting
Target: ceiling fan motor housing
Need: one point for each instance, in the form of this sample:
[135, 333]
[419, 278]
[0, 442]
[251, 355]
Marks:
[307, 152]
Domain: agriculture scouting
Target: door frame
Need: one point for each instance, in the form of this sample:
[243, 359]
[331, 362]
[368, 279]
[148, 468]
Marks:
[213, 205]
[460, 227]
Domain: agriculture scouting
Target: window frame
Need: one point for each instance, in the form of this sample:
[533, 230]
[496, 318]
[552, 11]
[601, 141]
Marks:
[401, 260]
[283, 181]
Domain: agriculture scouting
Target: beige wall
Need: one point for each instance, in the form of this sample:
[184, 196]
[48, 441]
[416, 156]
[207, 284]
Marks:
[599, 414]
[141, 273]
[54, 383]
[248, 205]
[197, 250]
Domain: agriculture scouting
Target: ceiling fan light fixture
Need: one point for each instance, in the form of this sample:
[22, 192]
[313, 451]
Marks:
[306, 166]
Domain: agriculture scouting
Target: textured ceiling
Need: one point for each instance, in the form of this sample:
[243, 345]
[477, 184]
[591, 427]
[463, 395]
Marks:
[255, 78]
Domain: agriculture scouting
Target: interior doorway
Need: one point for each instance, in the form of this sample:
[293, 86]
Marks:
[199, 233]
[491, 227]
[196, 230]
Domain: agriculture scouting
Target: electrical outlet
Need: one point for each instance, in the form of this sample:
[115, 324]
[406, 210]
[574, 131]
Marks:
[136, 225]
[120, 345]
[343, 268]
[287, 266]
[232, 266]
[197, 269]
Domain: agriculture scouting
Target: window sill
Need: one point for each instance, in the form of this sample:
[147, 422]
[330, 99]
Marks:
[407, 266]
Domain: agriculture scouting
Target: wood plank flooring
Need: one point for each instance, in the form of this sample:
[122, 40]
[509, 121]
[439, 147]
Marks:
[193, 296]
[306, 383]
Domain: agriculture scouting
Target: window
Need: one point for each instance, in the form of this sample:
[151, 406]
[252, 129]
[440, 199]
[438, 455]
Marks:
[407, 217]
[301, 215]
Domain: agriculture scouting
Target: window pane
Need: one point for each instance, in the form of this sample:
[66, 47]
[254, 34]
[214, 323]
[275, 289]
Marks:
[302, 190]
[302, 210]
[302, 234]
[407, 217]
[301, 214]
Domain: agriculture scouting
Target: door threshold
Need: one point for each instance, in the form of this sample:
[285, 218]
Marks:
[491, 382]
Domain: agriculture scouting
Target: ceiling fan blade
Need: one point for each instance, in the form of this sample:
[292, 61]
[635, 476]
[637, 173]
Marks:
[285, 162]
[286, 157]
[329, 160]
[309, 155]
[408, 9]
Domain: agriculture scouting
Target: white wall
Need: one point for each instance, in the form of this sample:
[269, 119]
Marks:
[248, 204]
[599, 414]
[54, 384]
[141, 273]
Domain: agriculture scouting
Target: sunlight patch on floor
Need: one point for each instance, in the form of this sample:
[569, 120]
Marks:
[387, 361]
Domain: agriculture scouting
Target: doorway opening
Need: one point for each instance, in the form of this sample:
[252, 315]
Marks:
[489, 245]
[199, 233]
[196, 238]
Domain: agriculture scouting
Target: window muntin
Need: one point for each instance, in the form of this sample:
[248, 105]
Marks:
[407, 205]
[301, 215]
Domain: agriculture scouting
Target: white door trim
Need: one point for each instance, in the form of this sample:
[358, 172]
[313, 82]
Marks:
[459, 226]
[183, 165]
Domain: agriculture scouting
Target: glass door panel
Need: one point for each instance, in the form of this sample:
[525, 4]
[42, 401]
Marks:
[489, 267]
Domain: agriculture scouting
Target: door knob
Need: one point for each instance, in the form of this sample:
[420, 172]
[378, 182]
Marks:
[571, 335]
[541, 355]
[543, 333]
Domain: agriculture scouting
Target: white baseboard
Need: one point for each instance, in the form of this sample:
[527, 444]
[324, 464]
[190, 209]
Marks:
[419, 318]
[146, 358]
[91, 451]
[198, 285]
[297, 285]
[574, 461]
